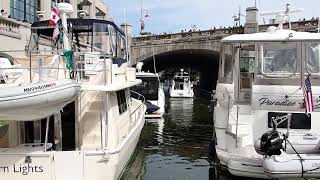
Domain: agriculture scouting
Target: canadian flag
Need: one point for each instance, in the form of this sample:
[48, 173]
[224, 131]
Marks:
[54, 16]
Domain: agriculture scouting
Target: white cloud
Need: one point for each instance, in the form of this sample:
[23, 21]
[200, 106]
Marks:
[175, 15]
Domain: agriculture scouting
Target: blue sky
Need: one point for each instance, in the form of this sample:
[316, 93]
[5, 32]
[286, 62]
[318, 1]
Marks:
[175, 15]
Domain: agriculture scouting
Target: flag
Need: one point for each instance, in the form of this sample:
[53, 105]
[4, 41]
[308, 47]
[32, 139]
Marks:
[56, 32]
[146, 13]
[308, 95]
[54, 16]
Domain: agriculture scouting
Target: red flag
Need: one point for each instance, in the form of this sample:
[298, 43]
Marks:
[54, 16]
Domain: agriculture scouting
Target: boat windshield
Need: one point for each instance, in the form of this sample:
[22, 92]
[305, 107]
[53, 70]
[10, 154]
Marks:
[312, 59]
[148, 88]
[226, 63]
[87, 35]
[99, 37]
[181, 79]
[277, 59]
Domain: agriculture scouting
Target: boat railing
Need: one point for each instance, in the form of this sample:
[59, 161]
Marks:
[231, 102]
[49, 65]
[36, 67]
[139, 111]
[96, 65]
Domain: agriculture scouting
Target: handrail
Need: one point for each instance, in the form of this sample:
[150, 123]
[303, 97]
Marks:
[139, 95]
[237, 118]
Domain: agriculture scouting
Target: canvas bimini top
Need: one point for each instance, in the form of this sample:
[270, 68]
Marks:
[81, 25]
[273, 35]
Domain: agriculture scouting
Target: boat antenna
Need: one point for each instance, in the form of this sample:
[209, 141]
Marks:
[237, 18]
[154, 63]
[284, 15]
[141, 19]
[126, 33]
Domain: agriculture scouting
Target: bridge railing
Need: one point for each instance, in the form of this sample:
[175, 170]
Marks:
[301, 25]
[190, 34]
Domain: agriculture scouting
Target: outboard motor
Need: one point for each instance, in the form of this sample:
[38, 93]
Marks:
[270, 143]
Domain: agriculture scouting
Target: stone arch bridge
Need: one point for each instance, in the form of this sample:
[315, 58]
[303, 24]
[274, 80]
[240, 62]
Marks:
[198, 50]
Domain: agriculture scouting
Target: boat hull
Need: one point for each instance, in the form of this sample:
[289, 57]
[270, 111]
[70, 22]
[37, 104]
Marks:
[181, 94]
[65, 165]
[290, 166]
[37, 100]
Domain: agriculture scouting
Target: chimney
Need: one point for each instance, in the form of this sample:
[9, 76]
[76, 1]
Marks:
[251, 25]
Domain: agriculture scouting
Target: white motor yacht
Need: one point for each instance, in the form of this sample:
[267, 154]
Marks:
[151, 88]
[94, 136]
[181, 86]
[261, 124]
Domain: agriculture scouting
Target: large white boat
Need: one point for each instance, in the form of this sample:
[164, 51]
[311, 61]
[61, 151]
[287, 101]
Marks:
[92, 137]
[181, 86]
[261, 125]
[151, 88]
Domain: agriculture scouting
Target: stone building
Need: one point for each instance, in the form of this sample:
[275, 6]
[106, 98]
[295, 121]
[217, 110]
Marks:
[17, 16]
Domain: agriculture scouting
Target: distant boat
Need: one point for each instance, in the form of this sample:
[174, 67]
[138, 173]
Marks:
[181, 86]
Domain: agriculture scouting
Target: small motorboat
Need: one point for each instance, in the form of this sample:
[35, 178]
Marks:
[151, 88]
[288, 154]
[25, 102]
[292, 166]
[181, 86]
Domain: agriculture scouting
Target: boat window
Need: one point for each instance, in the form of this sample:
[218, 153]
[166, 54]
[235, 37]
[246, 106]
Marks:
[4, 127]
[313, 58]
[277, 59]
[100, 37]
[148, 88]
[246, 65]
[122, 102]
[226, 64]
[178, 86]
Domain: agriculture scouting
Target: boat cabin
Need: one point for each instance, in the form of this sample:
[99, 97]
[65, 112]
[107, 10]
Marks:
[265, 73]
[99, 57]
[149, 87]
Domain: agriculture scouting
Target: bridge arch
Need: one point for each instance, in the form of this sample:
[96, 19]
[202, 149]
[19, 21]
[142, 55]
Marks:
[202, 60]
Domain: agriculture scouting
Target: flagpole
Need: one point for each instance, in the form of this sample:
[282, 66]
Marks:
[141, 20]
[126, 33]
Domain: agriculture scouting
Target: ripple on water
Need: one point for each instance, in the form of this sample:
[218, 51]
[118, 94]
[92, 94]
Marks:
[176, 146]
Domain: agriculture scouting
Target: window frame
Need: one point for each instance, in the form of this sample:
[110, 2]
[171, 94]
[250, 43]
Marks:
[122, 101]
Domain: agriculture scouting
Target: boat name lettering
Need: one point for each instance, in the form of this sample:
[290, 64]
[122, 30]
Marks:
[40, 87]
[316, 165]
[268, 102]
[21, 169]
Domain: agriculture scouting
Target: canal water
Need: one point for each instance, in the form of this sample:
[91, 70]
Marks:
[176, 146]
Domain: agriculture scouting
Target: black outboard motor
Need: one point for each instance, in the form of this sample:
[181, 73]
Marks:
[271, 143]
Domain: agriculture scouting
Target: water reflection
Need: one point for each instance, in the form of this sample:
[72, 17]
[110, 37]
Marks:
[175, 147]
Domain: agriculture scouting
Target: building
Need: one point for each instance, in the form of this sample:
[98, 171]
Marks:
[17, 16]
